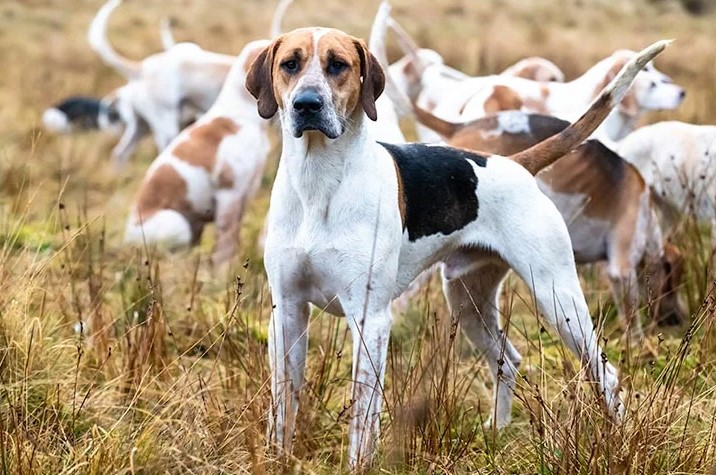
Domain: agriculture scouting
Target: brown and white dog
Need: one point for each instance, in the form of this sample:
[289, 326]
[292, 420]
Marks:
[464, 99]
[652, 90]
[165, 91]
[208, 173]
[352, 222]
[606, 204]
[422, 76]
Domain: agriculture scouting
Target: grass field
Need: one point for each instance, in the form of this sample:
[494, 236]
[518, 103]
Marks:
[168, 373]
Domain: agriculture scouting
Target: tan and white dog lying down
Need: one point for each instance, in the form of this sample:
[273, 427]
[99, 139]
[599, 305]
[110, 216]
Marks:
[604, 201]
[165, 91]
[208, 173]
[677, 161]
[352, 222]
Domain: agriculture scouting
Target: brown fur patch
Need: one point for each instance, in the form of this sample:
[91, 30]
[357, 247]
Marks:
[164, 189]
[502, 98]
[199, 149]
[530, 71]
[226, 177]
[402, 206]
[612, 186]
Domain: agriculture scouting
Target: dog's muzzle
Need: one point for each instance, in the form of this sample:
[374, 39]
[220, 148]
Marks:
[310, 113]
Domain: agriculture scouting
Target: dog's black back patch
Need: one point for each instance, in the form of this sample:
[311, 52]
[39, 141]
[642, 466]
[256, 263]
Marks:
[439, 187]
[81, 111]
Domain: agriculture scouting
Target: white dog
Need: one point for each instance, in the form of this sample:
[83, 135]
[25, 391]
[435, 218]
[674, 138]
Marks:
[677, 160]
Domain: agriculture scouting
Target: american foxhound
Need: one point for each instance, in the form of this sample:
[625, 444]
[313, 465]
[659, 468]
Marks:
[80, 113]
[165, 91]
[472, 98]
[209, 172]
[422, 76]
[652, 90]
[676, 160]
[352, 222]
[603, 199]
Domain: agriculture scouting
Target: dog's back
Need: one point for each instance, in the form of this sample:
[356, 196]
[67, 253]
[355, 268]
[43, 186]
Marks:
[676, 160]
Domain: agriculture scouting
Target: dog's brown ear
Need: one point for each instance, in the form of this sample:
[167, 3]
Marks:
[372, 79]
[259, 81]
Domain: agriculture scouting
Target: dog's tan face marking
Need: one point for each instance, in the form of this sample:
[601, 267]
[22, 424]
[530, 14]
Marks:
[200, 148]
[502, 98]
[166, 189]
[324, 63]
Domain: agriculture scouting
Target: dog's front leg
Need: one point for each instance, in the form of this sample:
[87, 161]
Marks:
[370, 334]
[288, 342]
[133, 132]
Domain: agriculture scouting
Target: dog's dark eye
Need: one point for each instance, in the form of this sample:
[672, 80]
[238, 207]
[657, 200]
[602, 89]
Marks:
[652, 85]
[336, 66]
[290, 66]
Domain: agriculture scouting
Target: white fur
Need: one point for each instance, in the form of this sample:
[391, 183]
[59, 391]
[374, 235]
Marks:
[167, 226]
[676, 159]
[56, 121]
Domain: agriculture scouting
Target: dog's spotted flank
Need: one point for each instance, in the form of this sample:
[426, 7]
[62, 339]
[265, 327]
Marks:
[439, 185]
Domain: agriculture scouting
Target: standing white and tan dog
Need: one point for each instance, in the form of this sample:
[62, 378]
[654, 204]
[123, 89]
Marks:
[208, 173]
[352, 222]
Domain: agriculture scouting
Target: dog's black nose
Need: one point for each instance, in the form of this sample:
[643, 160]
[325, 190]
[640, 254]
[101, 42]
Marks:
[308, 102]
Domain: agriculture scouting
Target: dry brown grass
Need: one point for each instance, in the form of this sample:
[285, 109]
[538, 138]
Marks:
[169, 373]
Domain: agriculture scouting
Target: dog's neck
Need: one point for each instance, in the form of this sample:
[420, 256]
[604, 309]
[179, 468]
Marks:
[234, 100]
[316, 165]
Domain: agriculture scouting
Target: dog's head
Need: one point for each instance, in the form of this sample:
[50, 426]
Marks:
[113, 111]
[319, 78]
[651, 90]
[76, 113]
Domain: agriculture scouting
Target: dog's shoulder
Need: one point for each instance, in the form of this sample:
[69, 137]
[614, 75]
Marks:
[437, 187]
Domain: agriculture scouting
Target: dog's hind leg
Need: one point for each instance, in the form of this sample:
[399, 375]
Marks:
[473, 299]
[540, 251]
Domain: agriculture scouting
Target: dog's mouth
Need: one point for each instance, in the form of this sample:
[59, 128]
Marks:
[316, 124]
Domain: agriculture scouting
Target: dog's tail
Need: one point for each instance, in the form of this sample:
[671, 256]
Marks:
[278, 15]
[443, 127]
[407, 44]
[376, 45]
[97, 37]
[545, 153]
[165, 32]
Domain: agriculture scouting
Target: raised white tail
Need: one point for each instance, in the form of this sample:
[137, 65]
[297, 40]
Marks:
[97, 37]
